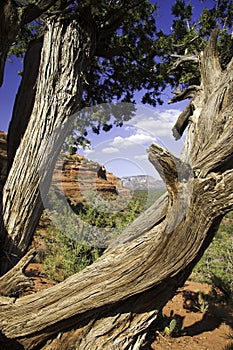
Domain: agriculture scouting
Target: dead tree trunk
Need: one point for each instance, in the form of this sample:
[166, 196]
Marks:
[111, 303]
[67, 49]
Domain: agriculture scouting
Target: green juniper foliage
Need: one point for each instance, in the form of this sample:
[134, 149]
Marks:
[133, 54]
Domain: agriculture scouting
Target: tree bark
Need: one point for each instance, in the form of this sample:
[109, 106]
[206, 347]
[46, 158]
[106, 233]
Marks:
[14, 282]
[67, 49]
[111, 303]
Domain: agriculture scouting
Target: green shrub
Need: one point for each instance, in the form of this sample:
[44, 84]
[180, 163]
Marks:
[171, 326]
[64, 256]
[72, 150]
[216, 265]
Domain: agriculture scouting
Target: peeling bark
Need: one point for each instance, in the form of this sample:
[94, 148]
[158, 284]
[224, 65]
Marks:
[67, 49]
[210, 68]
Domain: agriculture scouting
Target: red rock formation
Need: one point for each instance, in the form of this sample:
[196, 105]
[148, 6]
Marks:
[76, 176]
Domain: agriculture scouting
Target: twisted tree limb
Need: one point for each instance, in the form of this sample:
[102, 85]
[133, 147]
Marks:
[15, 281]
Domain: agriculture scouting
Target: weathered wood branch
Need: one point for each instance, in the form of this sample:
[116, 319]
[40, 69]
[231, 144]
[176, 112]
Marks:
[6, 300]
[195, 92]
[152, 217]
[184, 118]
[182, 122]
[183, 58]
[210, 107]
[14, 281]
[171, 169]
[210, 65]
[190, 92]
[214, 114]
[58, 95]
[138, 266]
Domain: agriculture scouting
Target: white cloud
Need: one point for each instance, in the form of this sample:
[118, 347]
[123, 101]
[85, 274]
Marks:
[88, 151]
[132, 140]
[110, 150]
[156, 123]
[120, 141]
[141, 138]
[136, 135]
[170, 115]
[141, 157]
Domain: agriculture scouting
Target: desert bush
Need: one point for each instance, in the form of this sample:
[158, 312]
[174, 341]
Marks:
[72, 150]
[216, 265]
[64, 256]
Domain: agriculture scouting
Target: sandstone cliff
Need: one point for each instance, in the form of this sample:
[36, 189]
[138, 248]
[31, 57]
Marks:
[75, 175]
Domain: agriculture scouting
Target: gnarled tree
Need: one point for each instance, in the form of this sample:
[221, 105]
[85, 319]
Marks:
[111, 303]
[69, 78]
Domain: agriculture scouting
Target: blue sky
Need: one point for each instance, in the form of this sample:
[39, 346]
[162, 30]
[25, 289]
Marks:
[122, 150]
[8, 90]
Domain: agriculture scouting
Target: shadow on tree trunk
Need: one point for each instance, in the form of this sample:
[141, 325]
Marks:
[9, 344]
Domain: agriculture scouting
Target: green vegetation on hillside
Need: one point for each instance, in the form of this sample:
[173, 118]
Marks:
[216, 265]
[75, 238]
[64, 256]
